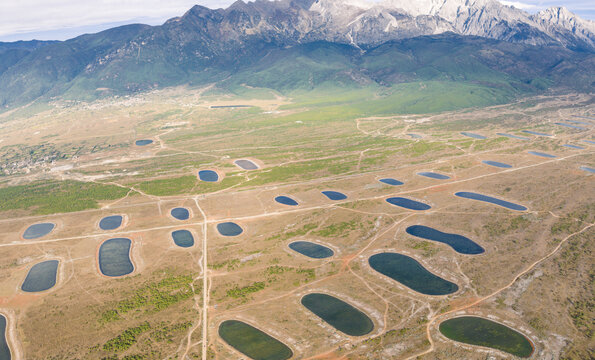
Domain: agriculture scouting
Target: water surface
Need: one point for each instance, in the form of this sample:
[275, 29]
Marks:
[589, 141]
[497, 164]
[483, 332]
[433, 175]
[588, 169]
[4, 349]
[36, 231]
[246, 164]
[183, 238]
[459, 243]
[473, 135]
[143, 142]
[408, 203]
[334, 195]
[41, 276]
[114, 257]
[338, 314]
[253, 342]
[208, 176]
[536, 133]
[537, 153]
[311, 249]
[573, 146]
[286, 200]
[411, 273]
[391, 181]
[110, 222]
[570, 126]
[491, 200]
[229, 229]
[180, 213]
[513, 136]
[415, 136]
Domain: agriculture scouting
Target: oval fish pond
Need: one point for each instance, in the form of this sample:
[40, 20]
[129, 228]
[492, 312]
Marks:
[180, 213]
[536, 133]
[311, 249]
[433, 175]
[473, 135]
[513, 136]
[414, 136]
[588, 169]
[183, 238]
[246, 164]
[41, 276]
[537, 153]
[338, 314]
[143, 142]
[408, 203]
[253, 342]
[36, 231]
[571, 126]
[483, 332]
[114, 257]
[411, 273]
[459, 243]
[334, 195]
[497, 164]
[491, 200]
[229, 229]
[110, 222]
[286, 200]
[391, 181]
[208, 176]
[4, 349]
[589, 141]
[573, 146]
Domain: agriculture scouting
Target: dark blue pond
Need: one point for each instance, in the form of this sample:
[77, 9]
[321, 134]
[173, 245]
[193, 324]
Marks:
[114, 257]
[41, 276]
[4, 349]
[411, 273]
[246, 164]
[415, 136]
[110, 222]
[578, 122]
[588, 169]
[229, 229]
[589, 141]
[583, 117]
[570, 126]
[459, 243]
[311, 249]
[536, 133]
[286, 200]
[183, 238]
[513, 136]
[497, 164]
[180, 213]
[433, 175]
[143, 142]
[339, 314]
[391, 181]
[208, 176]
[408, 203]
[492, 200]
[36, 231]
[472, 135]
[334, 195]
[537, 153]
[573, 146]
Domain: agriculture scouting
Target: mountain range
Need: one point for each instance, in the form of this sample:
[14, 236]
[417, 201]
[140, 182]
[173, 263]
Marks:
[278, 44]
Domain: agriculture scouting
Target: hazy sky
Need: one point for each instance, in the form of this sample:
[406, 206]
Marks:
[63, 19]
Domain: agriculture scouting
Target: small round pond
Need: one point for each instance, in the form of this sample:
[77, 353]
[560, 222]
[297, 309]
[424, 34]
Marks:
[408, 203]
[339, 314]
[334, 195]
[312, 250]
[497, 164]
[246, 164]
[253, 342]
[433, 175]
[286, 200]
[114, 257]
[483, 332]
[491, 200]
[208, 176]
[391, 181]
[144, 142]
[36, 231]
[459, 243]
[229, 229]
[180, 213]
[411, 273]
[110, 222]
[183, 238]
[41, 276]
